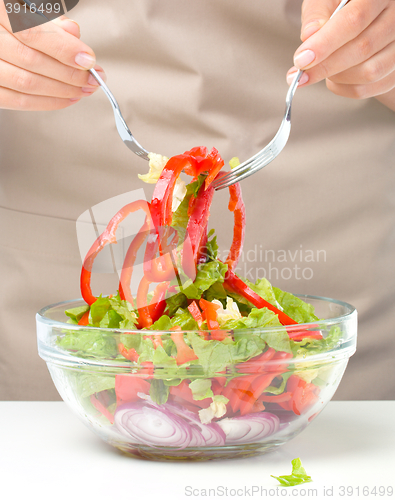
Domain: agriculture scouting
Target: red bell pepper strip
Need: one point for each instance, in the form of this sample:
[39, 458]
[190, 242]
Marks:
[256, 364]
[304, 395]
[163, 193]
[204, 162]
[184, 352]
[210, 313]
[236, 205]
[197, 223]
[144, 313]
[108, 236]
[216, 164]
[84, 319]
[234, 283]
[280, 398]
[130, 354]
[252, 393]
[127, 386]
[302, 334]
[157, 269]
[184, 394]
[201, 256]
[193, 308]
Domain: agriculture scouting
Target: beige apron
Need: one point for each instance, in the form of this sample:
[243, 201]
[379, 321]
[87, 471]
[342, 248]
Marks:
[205, 72]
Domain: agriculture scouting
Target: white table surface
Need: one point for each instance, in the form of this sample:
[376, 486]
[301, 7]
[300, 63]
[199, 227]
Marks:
[46, 452]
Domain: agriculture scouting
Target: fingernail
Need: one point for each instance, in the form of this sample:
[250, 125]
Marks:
[84, 60]
[304, 59]
[310, 29]
[92, 80]
[75, 22]
[303, 79]
[75, 99]
[87, 90]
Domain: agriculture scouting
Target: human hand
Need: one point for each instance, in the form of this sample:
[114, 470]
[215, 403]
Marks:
[354, 52]
[45, 67]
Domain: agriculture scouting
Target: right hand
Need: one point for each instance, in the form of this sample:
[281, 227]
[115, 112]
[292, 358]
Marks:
[45, 67]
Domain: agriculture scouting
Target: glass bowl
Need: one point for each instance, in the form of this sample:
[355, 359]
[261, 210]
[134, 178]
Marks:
[244, 408]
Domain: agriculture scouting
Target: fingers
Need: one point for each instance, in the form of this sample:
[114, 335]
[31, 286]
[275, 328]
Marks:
[24, 57]
[315, 15]
[352, 20]
[347, 63]
[363, 91]
[58, 44]
[10, 99]
[373, 70]
[19, 79]
[68, 25]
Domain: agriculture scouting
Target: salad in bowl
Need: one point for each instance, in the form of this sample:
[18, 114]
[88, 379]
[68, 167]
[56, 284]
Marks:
[197, 363]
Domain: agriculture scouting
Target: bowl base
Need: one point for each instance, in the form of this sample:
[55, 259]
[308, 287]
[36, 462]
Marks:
[197, 454]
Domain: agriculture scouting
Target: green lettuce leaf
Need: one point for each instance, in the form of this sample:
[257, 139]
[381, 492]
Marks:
[89, 344]
[309, 347]
[183, 318]
[76, 313]
[264, 289]
[294, 307]
[215, 356]
[209, 273]
[159, 392]
[201, 389]
[298, 476]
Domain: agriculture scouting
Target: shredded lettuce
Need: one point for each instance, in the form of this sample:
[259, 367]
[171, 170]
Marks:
[298, 475]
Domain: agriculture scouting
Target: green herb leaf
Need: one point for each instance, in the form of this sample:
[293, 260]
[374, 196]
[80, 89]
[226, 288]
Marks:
[298, 476]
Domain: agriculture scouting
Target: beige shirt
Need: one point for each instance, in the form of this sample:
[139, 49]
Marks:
[207, 72]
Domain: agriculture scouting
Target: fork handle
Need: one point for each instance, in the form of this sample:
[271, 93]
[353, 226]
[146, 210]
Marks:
[103, 85]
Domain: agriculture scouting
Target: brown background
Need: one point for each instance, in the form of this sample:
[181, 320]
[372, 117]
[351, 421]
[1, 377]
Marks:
[202, 72]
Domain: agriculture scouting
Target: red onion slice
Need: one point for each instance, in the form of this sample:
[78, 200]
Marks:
[212, 434]
[249, 428]
[152, 426]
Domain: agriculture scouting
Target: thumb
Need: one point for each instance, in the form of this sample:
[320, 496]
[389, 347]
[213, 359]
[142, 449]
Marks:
[315, 13]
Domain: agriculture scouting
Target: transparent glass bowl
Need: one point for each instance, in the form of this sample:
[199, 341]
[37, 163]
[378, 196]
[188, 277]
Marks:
[86, 381]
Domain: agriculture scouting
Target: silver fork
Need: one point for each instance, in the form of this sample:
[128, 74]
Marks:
[274, 148]
[123, 130]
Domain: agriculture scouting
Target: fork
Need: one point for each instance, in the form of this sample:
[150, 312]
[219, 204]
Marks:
[123, 130]
[274, 148]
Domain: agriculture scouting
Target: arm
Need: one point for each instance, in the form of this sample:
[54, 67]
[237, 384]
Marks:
[354, 52]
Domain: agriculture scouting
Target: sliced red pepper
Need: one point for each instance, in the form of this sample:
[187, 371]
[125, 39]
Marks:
[108, 236]
[184, 352]
[193, 308]
[255, 389]
[280, 398]
[210, 313]
[127, 386]
[145, 319]
[304, 395]
[130, 354]
[234, 283]
[258, 363]
[84, 319]
[184, 394]
[197, 223]
[297, 335]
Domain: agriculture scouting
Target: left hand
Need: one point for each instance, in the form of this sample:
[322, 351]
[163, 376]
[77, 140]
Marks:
[354, 51]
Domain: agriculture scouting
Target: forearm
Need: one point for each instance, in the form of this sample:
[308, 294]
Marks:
[388, 99]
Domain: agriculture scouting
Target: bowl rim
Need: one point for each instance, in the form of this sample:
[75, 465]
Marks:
[40, 316]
